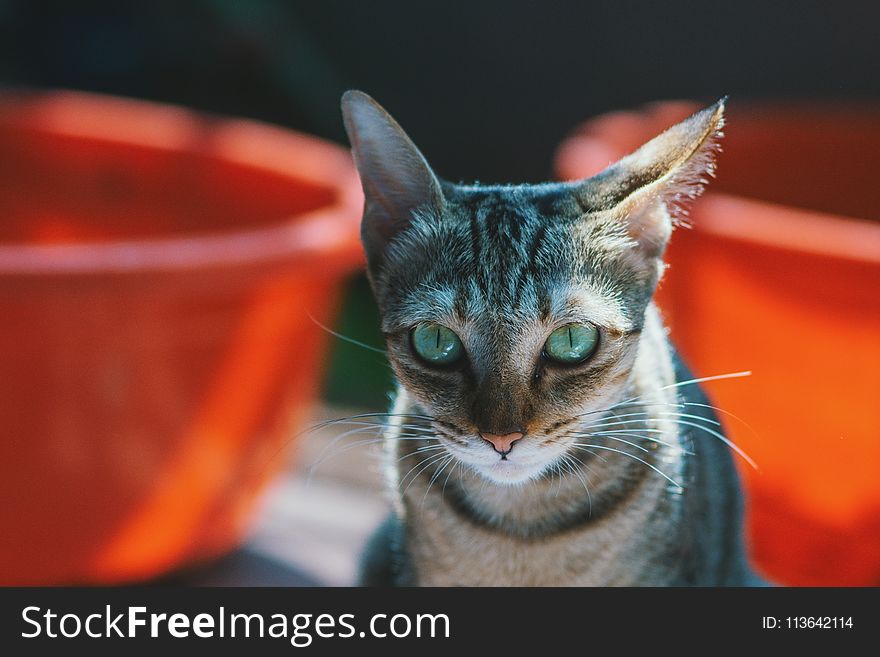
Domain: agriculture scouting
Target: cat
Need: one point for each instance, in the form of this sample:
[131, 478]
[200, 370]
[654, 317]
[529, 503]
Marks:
[544, 431]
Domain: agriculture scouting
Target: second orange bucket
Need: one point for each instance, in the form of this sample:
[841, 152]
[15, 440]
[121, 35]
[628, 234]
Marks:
[780, 275]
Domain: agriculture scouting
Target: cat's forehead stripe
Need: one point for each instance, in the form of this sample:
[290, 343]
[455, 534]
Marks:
[529, 270]
[475, 249]
[506, 232]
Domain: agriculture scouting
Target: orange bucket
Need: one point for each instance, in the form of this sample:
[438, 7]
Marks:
[157, 272]
[780, 275]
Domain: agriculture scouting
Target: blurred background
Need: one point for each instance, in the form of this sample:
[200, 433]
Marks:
[490, 91]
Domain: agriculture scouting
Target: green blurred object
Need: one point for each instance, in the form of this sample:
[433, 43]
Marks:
[358, 376]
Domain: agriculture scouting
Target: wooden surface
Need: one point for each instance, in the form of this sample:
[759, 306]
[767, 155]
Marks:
[316, 517]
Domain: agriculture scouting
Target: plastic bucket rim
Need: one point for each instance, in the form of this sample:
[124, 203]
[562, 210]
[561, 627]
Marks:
[819, 232]
[327, 230]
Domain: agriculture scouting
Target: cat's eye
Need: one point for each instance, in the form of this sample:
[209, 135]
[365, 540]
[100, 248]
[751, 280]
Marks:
[572, 343]
[436, 344]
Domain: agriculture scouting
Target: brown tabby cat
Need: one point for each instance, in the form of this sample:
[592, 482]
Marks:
[544, 431]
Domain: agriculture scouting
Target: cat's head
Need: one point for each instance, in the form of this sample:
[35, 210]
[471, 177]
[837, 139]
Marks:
[510, 311]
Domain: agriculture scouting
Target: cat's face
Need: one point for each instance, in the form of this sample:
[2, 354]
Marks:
[540, 319]
[513, 313]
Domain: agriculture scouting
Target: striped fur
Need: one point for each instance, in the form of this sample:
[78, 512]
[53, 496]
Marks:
[504, 266]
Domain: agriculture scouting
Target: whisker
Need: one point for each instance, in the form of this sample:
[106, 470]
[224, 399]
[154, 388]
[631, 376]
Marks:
[346, 338]
[324, 456]
[621, 440]
[624, 431]
[430, 458]
[676, 419]
[575, 471]
[367, 425]
[326, 423]
[721, 410]
[425, 463]
[612, 435]
[636, 435]
[716, 377]
[320, 458]
[610, 423]
[351, 420]
[598, 456]
[436, 474]
[362, 428]
[407, 427]
[632, 456]
[688, 382]
[383, 425]
[723, 439]
[717, 409]
[342, 450]
[449, 474]
[690, 415]
[644, 416]
[557, 467]
[594, 455]
[425, 448]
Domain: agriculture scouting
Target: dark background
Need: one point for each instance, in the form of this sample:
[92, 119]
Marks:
[487, 89]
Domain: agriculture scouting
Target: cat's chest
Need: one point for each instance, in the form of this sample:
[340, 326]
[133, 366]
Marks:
[448, 552]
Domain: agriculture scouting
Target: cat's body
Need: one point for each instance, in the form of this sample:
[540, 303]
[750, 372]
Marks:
[549, 437]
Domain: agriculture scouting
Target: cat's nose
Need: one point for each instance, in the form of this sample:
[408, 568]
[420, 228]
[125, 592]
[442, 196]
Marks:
[502, 443]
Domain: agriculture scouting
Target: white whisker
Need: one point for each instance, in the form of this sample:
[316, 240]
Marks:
[612, 435]
[723, 439]
[436, 474]
[576, 471]
[637, 398]
[359, 416]
[632, 456]
[717, 409]
[449, 474]
[418, 450]
[636, 435]
[644, 416]
[425, 464]
[346, 338]
[361, 429]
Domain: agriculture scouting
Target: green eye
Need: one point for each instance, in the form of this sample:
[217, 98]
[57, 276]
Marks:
[572, 343]
[436, 344]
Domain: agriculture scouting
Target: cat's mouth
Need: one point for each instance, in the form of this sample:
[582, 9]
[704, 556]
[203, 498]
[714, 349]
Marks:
[524, 463]
[512, 471]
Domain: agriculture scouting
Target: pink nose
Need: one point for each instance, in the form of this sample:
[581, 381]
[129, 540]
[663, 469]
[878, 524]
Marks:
[502, 444]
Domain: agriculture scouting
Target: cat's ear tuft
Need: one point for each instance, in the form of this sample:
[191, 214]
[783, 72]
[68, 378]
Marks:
[651, 188]
[396, 178]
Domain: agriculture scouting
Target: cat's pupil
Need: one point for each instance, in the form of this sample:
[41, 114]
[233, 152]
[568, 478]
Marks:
[436, 344]
[572, 343]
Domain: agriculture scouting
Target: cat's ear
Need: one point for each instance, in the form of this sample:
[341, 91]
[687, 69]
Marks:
[650, 188]
[397, 179]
